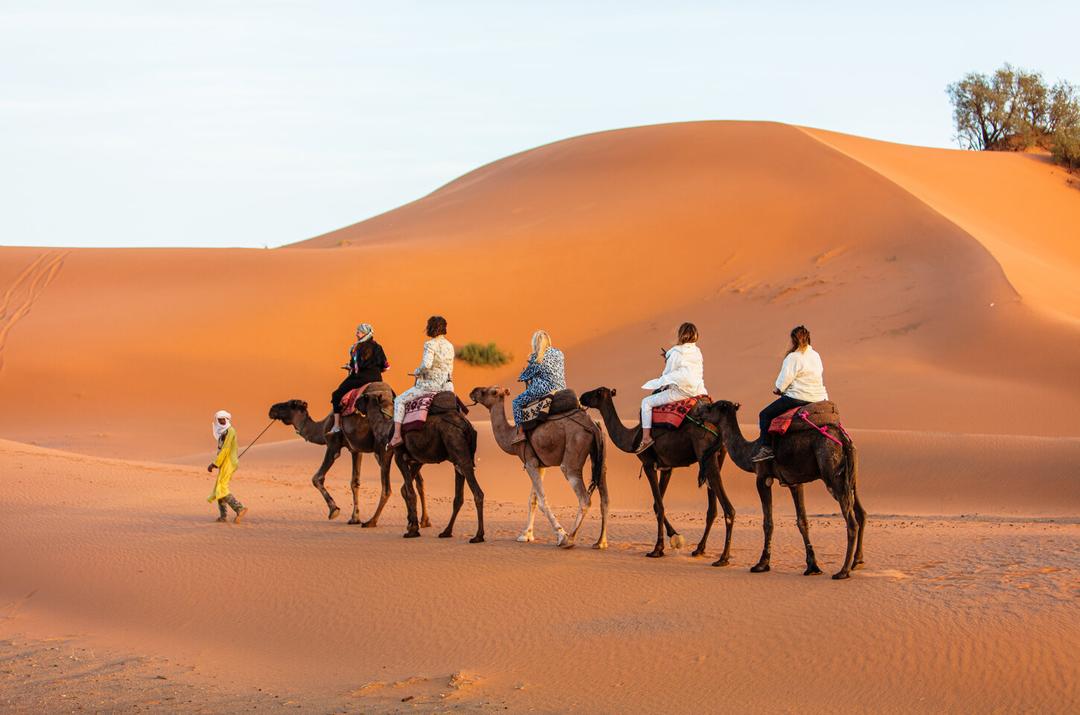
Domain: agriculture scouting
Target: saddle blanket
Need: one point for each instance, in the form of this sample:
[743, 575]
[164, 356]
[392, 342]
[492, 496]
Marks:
[348, 401]
[671, 415]
[549, 406]
[430, 403]
[812, 416]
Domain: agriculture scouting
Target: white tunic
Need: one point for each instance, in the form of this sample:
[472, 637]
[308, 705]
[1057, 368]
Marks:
[685, 371]
[801, 376]
[436, 370]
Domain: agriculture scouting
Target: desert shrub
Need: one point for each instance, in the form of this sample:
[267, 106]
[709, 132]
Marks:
[1066, 148]
[479, 355]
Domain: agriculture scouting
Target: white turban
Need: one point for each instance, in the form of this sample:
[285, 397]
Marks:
[220, 429]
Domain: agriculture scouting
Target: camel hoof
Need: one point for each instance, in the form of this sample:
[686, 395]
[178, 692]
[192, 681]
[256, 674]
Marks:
[697, 552]
[410, 534]
[367, 524]
[526, 537]
[725, 561]
[354, 520]
[857, 565]
[445, 534]
[425, 524]
[811, 571]
[677, 541]
[759, 568]
[841, 575]
[561, 538]
[478, 539]
[654, 554]
[600, 545]
[334, 513]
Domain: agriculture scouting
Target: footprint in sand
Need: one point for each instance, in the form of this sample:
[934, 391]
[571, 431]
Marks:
[27, 287]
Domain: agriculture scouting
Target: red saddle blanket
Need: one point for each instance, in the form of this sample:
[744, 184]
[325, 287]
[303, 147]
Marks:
[348, 401]
[812, 416]
[672, 414]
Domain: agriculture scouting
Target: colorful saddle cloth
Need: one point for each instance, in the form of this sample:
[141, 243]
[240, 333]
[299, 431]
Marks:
[548, 406]
[671, 415]
[430, 403]
[813, 416]
[349, 402]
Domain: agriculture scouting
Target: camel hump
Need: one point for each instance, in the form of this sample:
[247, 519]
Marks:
[549, 406]
[446, 401]
[811, 416]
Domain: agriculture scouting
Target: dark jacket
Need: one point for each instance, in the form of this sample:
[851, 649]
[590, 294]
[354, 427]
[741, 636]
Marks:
[367, 362]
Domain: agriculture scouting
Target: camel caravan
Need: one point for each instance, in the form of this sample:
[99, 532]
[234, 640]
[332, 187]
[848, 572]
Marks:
[801, 439]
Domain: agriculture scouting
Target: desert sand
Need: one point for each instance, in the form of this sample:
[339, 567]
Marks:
[940, 287]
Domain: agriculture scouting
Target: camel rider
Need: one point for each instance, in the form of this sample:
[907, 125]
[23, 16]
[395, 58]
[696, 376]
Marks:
[225, 462]
[367, 363]
[435, 373]
[544, 374]
[800, 382]
[683, 377]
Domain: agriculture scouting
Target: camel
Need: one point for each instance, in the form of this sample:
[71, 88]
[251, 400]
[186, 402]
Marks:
[445, 436]
[801, 457]
[565, 442]
[673, 448]
[355, 435]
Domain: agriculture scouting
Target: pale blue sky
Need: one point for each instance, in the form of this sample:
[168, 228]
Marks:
[251, 124]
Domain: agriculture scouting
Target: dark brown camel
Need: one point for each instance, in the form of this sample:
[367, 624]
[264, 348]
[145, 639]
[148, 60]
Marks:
[801, 456]
[446, 436]
[355, 435]
[567, 443]
[672, 448]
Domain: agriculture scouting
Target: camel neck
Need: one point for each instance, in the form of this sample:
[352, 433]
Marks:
[313, 431]
[625, 438]
[737, 447]
[501, 427]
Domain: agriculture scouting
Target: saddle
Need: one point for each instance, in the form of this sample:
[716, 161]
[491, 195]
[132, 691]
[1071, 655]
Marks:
[814, 416]
[349, 401]
[557, 404]
[430, 403]
[671, 415]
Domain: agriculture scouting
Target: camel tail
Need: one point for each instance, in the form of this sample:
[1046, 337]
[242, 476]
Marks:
[472, 440]
[851, 462]
[598, 456]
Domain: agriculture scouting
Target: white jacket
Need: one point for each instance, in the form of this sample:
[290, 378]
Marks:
[436, 370]
[801, 376]
[685, 371]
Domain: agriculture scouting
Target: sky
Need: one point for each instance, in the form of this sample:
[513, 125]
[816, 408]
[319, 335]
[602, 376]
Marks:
[260, 124]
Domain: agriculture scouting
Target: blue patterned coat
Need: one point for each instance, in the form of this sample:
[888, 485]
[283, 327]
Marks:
[540, 379]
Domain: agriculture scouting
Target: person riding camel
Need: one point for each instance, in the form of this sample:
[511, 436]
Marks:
[435, 373]
[544, 374]
[800, 382]
[226, 463]
[367, 363]
[683, 377]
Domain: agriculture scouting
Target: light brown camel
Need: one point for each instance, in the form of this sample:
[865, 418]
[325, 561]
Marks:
[566, 442]
[801, 456]
[355, 435]
[672, 448]
[445, 436]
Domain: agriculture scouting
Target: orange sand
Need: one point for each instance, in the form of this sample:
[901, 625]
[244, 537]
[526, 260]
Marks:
[940, 287]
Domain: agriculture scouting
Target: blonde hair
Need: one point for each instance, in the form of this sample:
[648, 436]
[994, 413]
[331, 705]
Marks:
[541, 341]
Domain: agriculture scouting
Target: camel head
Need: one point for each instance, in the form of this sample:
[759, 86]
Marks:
[488, 396]
[288, 412]
[721, 408]
[597, 397]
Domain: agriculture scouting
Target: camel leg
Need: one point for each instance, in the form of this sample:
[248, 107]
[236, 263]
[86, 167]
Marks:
[804, 529]
[729, 513]
[354, 484]
[860, 516]
[425, 522]
[601, 543]
[765, 494]
[677, 541]
[478, 499]
[710, 517]
[658, 509]
[408, 493]
[577, 483]
[536, 474]
[319, 480]
[526, 536]
[384, 495]
[847, 509]
[459, 499]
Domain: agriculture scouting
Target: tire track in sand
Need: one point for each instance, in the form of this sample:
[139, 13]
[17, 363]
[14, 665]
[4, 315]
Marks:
[27, 287]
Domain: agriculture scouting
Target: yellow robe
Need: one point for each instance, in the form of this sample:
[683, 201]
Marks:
[226, 462]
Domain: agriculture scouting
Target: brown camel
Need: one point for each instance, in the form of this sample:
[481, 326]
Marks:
[355, 435]
[801, 456]
[445, 436]
[672, 448]
[565, 442]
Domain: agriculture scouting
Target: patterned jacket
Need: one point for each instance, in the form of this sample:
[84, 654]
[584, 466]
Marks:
[547, 376]
[436, 371]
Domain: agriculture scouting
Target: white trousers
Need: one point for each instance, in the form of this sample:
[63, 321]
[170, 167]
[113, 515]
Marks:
[671, 394]
[411, 394]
